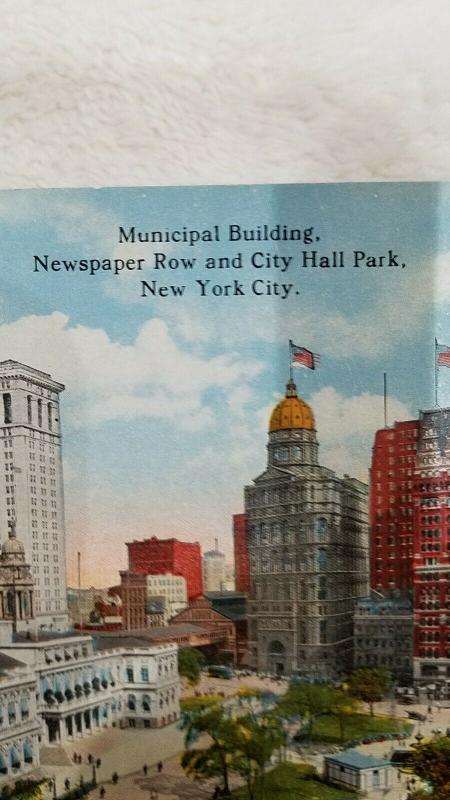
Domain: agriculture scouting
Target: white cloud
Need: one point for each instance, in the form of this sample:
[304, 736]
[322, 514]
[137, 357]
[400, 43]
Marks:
[346, 427]
[153, 376]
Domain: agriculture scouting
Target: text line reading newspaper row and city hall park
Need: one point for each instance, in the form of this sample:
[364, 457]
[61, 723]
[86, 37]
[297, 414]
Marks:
[259, 259]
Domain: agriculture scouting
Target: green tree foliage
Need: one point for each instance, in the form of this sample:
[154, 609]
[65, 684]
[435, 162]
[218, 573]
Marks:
[190, 663]
[215, 758]
[431, 762]
[311, 700]
[256, 741]
[241, 743]
[369, 685]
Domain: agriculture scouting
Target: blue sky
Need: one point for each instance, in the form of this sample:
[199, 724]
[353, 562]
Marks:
[167, 400]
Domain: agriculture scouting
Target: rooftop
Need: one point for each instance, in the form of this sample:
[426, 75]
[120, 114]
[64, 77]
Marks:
[352, 758]
[107, 640]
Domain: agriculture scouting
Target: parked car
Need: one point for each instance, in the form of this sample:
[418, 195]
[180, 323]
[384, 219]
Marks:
[220, 671]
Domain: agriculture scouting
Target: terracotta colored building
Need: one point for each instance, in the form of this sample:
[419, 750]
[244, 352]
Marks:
[391, 507]
[241, 556]
[223, 615]
[159, 556]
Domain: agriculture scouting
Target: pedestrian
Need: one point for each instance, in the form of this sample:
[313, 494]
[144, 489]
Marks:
[114, 778]
[98, 763]
[430, 709]
[67, 784]
[399, 775]
[160, 766]
[75, 758]
[102, 791]
[145, 769]
[90, 759]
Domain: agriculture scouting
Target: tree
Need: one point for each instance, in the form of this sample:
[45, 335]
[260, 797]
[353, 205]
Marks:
[341, 704]
[369, 685]
[431, 762]
[190, 663]
[241, 743]
[256, 739]
[309, 700]
[214, 759]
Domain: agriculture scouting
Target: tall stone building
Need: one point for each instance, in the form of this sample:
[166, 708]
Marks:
[308, 550]
[431, 570]
[31, 482]
[214, 569]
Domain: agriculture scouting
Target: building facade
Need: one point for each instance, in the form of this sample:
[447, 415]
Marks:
[31, 487]
[391, 507]
[384, 636]
[214, 570]
[223, 631]
[241, 554]
[160, 556]
[308, 548]
[20, 725]
[151, 600]
[410, 535]
[431, 571]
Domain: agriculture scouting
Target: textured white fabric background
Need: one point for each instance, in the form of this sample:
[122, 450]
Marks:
[204, 91]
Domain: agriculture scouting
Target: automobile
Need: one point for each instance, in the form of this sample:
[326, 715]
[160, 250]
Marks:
[220, 671]
[417, 715]
[407, 699]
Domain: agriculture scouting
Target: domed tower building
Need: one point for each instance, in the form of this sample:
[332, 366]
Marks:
[16, 586]
[308, 550]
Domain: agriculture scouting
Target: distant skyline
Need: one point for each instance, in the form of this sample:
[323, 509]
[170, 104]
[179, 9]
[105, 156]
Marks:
[167, 400]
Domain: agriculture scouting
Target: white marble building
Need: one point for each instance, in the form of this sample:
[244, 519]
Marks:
[59, 688]
[31, 482]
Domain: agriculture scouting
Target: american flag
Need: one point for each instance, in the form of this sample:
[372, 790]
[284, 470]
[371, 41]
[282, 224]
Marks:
[443, 358]
[302, 357]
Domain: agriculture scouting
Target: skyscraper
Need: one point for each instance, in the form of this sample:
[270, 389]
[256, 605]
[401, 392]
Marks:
[214, 570]
[431, 571]
[31, 482]
[391, 507]
[308, 548]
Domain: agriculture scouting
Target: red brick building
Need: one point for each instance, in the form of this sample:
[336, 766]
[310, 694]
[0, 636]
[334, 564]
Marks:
[391, 507]
[241, 556]
[410, 534]
[160, 556]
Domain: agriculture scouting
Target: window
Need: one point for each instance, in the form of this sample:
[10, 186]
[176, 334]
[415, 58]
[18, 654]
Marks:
[144, 674]
[39, 404]
[130, 674]
[7, 409]
[29, 410]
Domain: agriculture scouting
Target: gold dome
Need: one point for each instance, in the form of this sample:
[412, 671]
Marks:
[291, 412]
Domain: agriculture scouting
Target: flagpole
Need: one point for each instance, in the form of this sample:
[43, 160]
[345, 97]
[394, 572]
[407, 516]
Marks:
[291, 369]
[436, 373]
[385, 398]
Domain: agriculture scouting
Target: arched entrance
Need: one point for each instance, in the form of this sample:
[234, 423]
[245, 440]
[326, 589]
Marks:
[276, 657]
